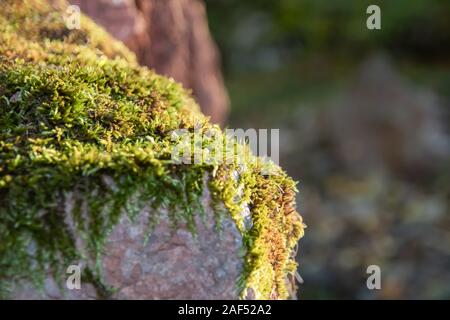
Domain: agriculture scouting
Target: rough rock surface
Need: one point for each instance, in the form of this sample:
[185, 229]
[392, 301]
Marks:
[172, 37]
[173, 264]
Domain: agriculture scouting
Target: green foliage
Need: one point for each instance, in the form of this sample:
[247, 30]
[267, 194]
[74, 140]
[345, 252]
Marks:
[81, 122]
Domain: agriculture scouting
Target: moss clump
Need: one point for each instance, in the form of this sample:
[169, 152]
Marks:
[76, 110]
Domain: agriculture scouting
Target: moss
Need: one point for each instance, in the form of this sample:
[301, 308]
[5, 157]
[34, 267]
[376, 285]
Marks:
[76, 109]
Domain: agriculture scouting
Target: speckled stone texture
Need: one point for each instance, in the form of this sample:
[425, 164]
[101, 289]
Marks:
[173, 264]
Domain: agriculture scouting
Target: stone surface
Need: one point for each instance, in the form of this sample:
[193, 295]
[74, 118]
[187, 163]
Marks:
[172, 37]
[172, 265]
[116, 122]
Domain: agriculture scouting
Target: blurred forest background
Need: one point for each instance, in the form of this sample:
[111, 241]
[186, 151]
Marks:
[364, 127]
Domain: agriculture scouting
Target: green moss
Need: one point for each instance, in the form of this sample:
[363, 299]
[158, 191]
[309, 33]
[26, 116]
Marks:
[75, 111]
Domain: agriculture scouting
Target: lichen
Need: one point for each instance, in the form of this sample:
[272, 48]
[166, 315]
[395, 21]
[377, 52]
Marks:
[75, 109]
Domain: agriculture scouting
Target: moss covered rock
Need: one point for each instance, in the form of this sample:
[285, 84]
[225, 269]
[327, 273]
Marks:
[80, 119]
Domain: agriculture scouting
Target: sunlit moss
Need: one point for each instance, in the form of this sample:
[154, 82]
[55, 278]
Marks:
[78, 116]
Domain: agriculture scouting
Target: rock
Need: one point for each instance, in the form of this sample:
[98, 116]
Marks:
[173, 264]
[172, 37]
[88, 161]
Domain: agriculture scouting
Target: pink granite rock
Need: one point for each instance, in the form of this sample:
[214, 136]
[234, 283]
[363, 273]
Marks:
[173, 264]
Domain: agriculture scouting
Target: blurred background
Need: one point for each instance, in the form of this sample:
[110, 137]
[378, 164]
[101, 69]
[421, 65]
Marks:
[364, 127]
[363, 116]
